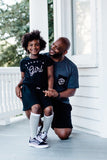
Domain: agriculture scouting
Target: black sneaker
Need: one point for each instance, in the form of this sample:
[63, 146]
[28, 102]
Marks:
[37, 143]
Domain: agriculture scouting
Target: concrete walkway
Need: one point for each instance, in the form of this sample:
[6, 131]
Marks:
[80, 146]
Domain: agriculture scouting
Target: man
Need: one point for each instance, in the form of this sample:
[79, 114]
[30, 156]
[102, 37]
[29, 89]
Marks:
[65, 84]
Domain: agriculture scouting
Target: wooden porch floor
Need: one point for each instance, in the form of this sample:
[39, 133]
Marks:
[80, 146]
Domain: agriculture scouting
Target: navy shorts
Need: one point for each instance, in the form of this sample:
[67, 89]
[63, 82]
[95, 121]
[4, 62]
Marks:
[62, 115]
[31, 96]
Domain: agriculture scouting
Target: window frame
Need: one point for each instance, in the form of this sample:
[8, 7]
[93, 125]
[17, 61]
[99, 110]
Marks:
[86, 60]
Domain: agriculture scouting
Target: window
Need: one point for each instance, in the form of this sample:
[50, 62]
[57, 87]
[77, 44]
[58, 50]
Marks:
[84, 33]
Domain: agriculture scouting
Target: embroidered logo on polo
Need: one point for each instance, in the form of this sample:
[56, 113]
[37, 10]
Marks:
[61, 80]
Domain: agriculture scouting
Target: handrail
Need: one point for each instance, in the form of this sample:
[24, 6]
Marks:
[10, 105]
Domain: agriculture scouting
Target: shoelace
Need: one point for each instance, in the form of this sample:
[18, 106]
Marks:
[39, 138]
[43, 135]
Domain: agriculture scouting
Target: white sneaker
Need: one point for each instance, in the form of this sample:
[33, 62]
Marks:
[43, 136]
[37, 143]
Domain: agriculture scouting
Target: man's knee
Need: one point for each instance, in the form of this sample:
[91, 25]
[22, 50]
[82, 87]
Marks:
[63, 134]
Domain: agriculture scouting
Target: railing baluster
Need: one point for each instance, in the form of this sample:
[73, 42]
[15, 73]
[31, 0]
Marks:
[10, 105]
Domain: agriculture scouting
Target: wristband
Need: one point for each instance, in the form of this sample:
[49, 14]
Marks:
[58, 95]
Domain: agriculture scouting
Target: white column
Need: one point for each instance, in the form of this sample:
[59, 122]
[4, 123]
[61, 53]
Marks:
[39, 18]
[62, 20]
[57, 18]
[103, 70]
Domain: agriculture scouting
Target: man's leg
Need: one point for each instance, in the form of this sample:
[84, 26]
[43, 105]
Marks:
[62, 123]
[63, 133]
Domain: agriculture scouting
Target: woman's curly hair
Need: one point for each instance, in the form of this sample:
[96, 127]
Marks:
[34, 35]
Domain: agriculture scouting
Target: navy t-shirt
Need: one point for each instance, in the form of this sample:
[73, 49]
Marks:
[65, 76]
[36, 71]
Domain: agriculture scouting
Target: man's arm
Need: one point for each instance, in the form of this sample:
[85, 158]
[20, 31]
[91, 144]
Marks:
[19, 86]
[50, 77]
[65, 94]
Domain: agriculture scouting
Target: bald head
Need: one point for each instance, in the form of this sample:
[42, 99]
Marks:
[65, 41]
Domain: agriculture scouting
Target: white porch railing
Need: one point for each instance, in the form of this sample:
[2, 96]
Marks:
[10, 105]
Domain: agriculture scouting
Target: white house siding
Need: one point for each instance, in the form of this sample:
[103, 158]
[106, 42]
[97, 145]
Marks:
[85, 103]
[89, 103]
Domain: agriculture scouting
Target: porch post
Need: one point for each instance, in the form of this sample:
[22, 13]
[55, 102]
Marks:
[39, 18]
[103, 70]
[62, 20]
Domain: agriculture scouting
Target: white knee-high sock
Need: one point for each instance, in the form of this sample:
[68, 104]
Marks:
[47, 122]
[34, 121]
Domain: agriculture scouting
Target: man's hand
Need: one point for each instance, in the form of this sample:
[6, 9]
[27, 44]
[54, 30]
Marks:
[18, 92]
[65, 94]
[51, 93]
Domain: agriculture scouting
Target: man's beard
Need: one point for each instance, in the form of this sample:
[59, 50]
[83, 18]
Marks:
[57, 55]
